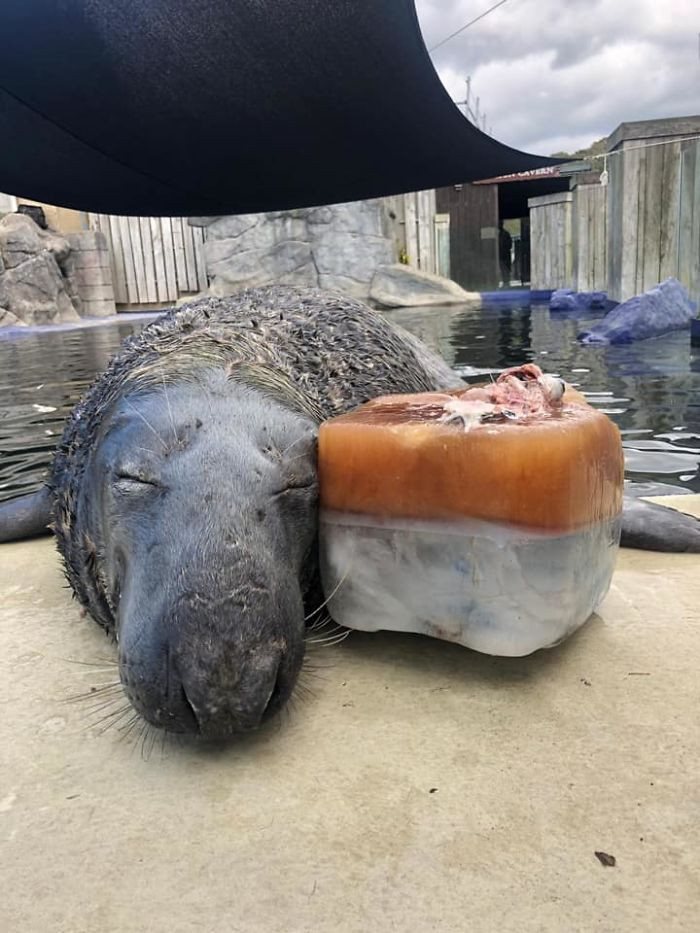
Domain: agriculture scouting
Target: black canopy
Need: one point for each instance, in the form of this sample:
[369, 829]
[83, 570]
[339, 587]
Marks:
[185, 107]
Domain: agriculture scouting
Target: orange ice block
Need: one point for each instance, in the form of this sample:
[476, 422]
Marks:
[557, 469]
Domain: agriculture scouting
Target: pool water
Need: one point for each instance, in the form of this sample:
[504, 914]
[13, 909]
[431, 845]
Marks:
[650, 389]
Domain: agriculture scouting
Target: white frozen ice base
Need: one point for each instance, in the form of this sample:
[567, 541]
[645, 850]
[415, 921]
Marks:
[494, 588]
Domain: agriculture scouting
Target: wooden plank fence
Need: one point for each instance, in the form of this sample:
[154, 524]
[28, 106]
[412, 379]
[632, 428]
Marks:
[551, 241]
[420, 230]
[653, 215]
[421, 234]
[590, 241]
[154, 260]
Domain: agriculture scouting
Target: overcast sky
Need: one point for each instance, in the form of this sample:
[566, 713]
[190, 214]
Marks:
[557, 74]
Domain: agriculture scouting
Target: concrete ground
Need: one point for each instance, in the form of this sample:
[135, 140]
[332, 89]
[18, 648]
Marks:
[420, 787]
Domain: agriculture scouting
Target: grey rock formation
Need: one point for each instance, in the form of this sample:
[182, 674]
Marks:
[398, 286]
[34, 286]
[659, 310]
[337, 247]
[350, 248]
[8, 319]
[46, 278]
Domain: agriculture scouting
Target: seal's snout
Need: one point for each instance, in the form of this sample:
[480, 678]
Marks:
[187, 702]
[214, 666]
[238, 700]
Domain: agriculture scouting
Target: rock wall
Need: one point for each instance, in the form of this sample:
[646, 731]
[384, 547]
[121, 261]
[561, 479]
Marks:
[350, 248]
[46, 278]
[336, 247]
[35, 285]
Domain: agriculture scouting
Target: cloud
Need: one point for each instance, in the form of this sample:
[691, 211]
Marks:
[557, 74]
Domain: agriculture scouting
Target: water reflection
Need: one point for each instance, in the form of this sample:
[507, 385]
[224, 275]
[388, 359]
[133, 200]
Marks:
[42, 376]
[650, 389]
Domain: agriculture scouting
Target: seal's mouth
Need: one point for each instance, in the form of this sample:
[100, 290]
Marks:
[217, 705]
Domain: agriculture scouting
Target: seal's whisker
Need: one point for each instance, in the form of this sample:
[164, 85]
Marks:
[99, 698]
[115, 718]
[139, 735]
[99, 708]
[120, 711]
[93, 664]
[320, 623]
[333, 591]
[154, 737]
[102, 703]
[141, 726]
[321, 629]
[329, 640]
[100, 686]
[145, 421]
[144, 739]
[145, 749]
[304, 692]
[316, 675]
[127, 728]
[94, 693]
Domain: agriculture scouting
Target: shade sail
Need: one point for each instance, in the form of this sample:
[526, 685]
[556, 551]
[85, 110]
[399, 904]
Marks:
[184, 107]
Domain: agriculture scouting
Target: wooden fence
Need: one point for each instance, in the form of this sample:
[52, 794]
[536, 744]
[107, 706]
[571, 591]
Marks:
[419, 208]
[590, 239]
[550, 241]
[154, 260]
[653, 216]
[419, 232]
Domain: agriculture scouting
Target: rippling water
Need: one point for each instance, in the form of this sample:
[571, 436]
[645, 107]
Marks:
[650, 389]
[42, 376]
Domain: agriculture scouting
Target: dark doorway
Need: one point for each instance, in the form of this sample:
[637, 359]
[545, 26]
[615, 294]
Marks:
[477, 239]
[473, 211]
[513, 210]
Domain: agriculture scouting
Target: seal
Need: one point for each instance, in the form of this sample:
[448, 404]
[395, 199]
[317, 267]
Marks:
[184, 496]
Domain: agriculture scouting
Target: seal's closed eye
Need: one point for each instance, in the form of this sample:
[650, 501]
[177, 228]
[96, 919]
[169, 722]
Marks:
[133, 479]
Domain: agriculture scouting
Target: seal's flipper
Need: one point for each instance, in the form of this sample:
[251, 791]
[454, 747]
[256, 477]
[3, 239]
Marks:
[656, 528]
[26, 516]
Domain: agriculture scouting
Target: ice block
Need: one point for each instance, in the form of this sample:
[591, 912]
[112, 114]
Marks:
[488, 516]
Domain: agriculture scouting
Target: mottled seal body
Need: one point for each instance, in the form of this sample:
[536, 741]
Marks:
[184, 493]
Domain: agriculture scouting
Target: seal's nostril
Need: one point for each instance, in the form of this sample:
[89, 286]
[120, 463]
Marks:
[186, 713]
[273, 701]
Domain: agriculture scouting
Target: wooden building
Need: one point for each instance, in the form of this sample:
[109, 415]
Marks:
[475, 211]
[653, 205]
[631, 224]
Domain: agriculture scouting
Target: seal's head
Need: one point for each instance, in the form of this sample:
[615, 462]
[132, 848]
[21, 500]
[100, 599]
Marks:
[206, 529]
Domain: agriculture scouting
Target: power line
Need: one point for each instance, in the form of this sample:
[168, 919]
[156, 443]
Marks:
[467, 25]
